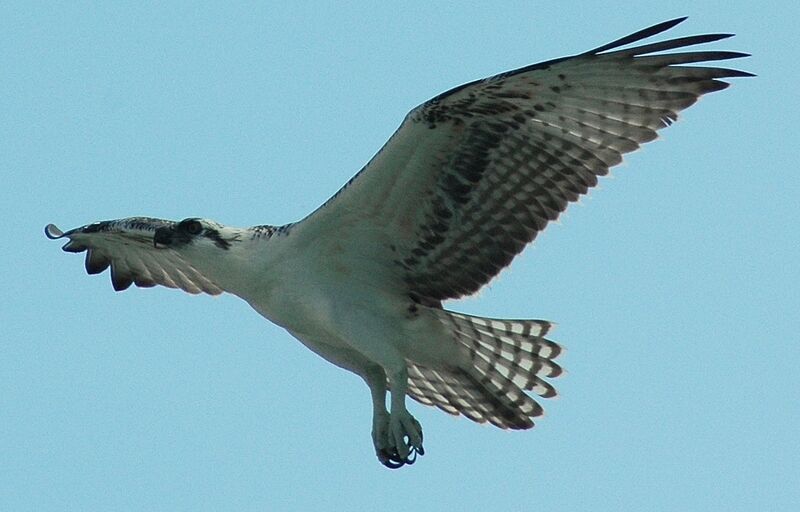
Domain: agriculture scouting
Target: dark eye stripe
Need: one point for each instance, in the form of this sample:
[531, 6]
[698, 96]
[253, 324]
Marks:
[190, 226]
[194, 228]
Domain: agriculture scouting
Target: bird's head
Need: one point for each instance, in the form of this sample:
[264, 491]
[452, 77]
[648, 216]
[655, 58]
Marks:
[195, 233]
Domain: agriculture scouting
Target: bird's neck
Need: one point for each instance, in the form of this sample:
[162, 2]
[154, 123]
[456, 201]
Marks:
[236, 267]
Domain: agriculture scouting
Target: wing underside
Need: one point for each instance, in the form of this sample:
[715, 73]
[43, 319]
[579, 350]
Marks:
[126, 247]
[471, 176]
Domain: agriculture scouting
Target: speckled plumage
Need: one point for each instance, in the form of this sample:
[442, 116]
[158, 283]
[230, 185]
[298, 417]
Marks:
[466, 182]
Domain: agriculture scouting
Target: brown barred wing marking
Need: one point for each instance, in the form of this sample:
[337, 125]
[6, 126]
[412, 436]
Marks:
[532, 141]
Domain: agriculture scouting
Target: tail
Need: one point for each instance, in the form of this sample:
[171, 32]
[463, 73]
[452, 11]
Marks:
[508, 358]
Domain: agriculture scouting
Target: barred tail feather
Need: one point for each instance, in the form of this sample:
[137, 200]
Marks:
[508, 358]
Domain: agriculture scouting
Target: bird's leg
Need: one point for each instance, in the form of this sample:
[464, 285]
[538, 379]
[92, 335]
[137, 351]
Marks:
[375, 378]
[387, 433]
[405, 432]
[398, 438]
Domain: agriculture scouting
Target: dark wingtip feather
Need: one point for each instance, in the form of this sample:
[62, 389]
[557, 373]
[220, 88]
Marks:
[714, 86]
[709, 38]
[73, 246]
[53, 232]
[120, 281]
[724, 55]
[638, 36]
[95, 262]
[121, 284]
[672, 44]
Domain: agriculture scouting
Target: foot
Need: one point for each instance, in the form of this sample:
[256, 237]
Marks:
[397, 438]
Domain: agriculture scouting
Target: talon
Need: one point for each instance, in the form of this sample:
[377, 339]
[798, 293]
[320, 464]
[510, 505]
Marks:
[391, 460]
[398, 442]
[417, 424]
[394, 461]
[392, 465]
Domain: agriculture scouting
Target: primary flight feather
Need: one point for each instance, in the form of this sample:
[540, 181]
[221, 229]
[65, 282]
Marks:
[466, 182]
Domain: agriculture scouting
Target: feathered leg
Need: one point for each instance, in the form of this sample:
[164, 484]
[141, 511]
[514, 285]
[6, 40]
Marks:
[397, 437]
[378, 335]
[405, 432]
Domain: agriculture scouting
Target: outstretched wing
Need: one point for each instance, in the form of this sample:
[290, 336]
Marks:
[472, 175]
[126, 245]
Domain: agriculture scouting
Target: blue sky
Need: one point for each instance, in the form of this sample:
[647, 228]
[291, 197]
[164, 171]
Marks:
[674, 284]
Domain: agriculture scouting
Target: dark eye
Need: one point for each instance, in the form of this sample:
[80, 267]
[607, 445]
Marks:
[191, 226]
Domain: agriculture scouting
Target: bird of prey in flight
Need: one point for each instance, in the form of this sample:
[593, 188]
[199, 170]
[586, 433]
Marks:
[464, 184]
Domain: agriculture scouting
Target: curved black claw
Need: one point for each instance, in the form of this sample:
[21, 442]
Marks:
[393, 461]
[390, 460]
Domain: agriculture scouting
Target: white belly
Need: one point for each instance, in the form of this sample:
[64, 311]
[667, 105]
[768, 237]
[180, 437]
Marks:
[336, 311]
[324, 295]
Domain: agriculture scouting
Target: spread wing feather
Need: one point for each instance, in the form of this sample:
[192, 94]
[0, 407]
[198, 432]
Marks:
[473, 175]
[126, 245]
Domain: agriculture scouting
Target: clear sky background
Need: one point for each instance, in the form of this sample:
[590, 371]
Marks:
[675, 284]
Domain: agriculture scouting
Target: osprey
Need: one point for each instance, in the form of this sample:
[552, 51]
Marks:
[465, 183]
